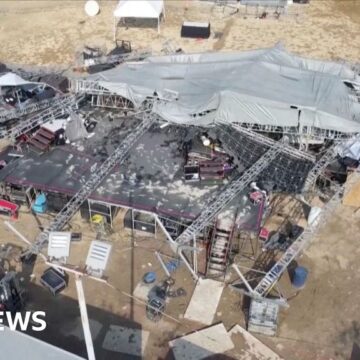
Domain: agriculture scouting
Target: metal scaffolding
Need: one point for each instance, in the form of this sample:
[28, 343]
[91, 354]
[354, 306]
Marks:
[319, 168]
[100, 96]
[298, 246]
[287, 149]
[233, 189]
[95, 179]
[60, 106]
[28, 109]
[307, 132]
[79, 86]
[119, 58]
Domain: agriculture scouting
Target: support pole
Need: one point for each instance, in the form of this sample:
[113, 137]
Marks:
[115, 25]
[22, 237]
[89, 205]
[242, 277]
[111, 220]
[183, 258]
[162, 264]
[84, 318]
[195, 257]
[132, 220]
[177, 248]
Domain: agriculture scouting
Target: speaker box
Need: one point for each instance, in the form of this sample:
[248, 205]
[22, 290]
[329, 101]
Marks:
[195, 30]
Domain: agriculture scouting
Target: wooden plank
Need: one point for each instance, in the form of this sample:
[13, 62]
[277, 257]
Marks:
[204, 301]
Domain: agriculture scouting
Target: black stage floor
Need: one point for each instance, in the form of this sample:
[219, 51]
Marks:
[151, 178]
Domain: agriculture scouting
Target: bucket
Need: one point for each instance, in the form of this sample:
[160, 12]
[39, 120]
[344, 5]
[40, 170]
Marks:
[299, 277]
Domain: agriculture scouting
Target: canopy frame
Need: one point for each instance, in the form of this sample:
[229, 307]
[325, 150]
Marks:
[117, 19]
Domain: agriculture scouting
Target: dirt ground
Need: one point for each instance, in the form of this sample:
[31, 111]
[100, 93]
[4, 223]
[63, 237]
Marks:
[51, 32]
[323, 320]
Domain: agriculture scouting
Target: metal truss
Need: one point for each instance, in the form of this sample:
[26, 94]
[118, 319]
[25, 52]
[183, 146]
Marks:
[100, 96]
[60, 106]
[307, 132]
[233, 189]
[26, 110]
[112, 59]
[79, 86]
[287, 149]
[111, 101]
[94, 180]
[319, 168]
[298, 246]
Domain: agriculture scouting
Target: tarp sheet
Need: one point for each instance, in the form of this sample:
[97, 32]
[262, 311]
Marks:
[11, 79]
[266, 87]
[75, 129]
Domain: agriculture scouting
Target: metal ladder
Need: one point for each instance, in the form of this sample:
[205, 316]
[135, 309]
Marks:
[219, 251]
[95, 179]
[319, 168]
[61, 106]
[287, 149]
[298, 245]
[233, 189]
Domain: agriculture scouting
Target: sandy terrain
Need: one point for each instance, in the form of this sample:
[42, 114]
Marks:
[50, 32]
[323, 320]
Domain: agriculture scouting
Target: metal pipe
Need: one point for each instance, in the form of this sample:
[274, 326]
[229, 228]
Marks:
[84, 318]
[183, 258]
[177, 248]
[22, 237]
[195, 256]
[250, 269]
[162, 264]
[234, 266]
[173, 243]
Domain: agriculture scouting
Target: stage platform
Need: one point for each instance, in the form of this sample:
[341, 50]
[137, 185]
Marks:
[151, 178]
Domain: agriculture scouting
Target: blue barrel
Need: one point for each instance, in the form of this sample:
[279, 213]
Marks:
[299, 277]
[149, 277]
[40, 204]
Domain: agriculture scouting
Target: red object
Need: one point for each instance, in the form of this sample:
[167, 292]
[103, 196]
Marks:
[256, 197]
[9, 208]
[264, 234]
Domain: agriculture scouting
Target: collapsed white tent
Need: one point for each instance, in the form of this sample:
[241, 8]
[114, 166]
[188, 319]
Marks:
[148, 9]
[11, 79]
[268, 88]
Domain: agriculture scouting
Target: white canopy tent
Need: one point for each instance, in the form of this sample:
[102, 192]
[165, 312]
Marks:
[148, 9]
[11, 79]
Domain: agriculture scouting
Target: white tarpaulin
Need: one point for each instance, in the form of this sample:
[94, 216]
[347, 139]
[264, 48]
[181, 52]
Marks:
[266, 87]
[11, 79]
[148, 9]
[350, 148]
